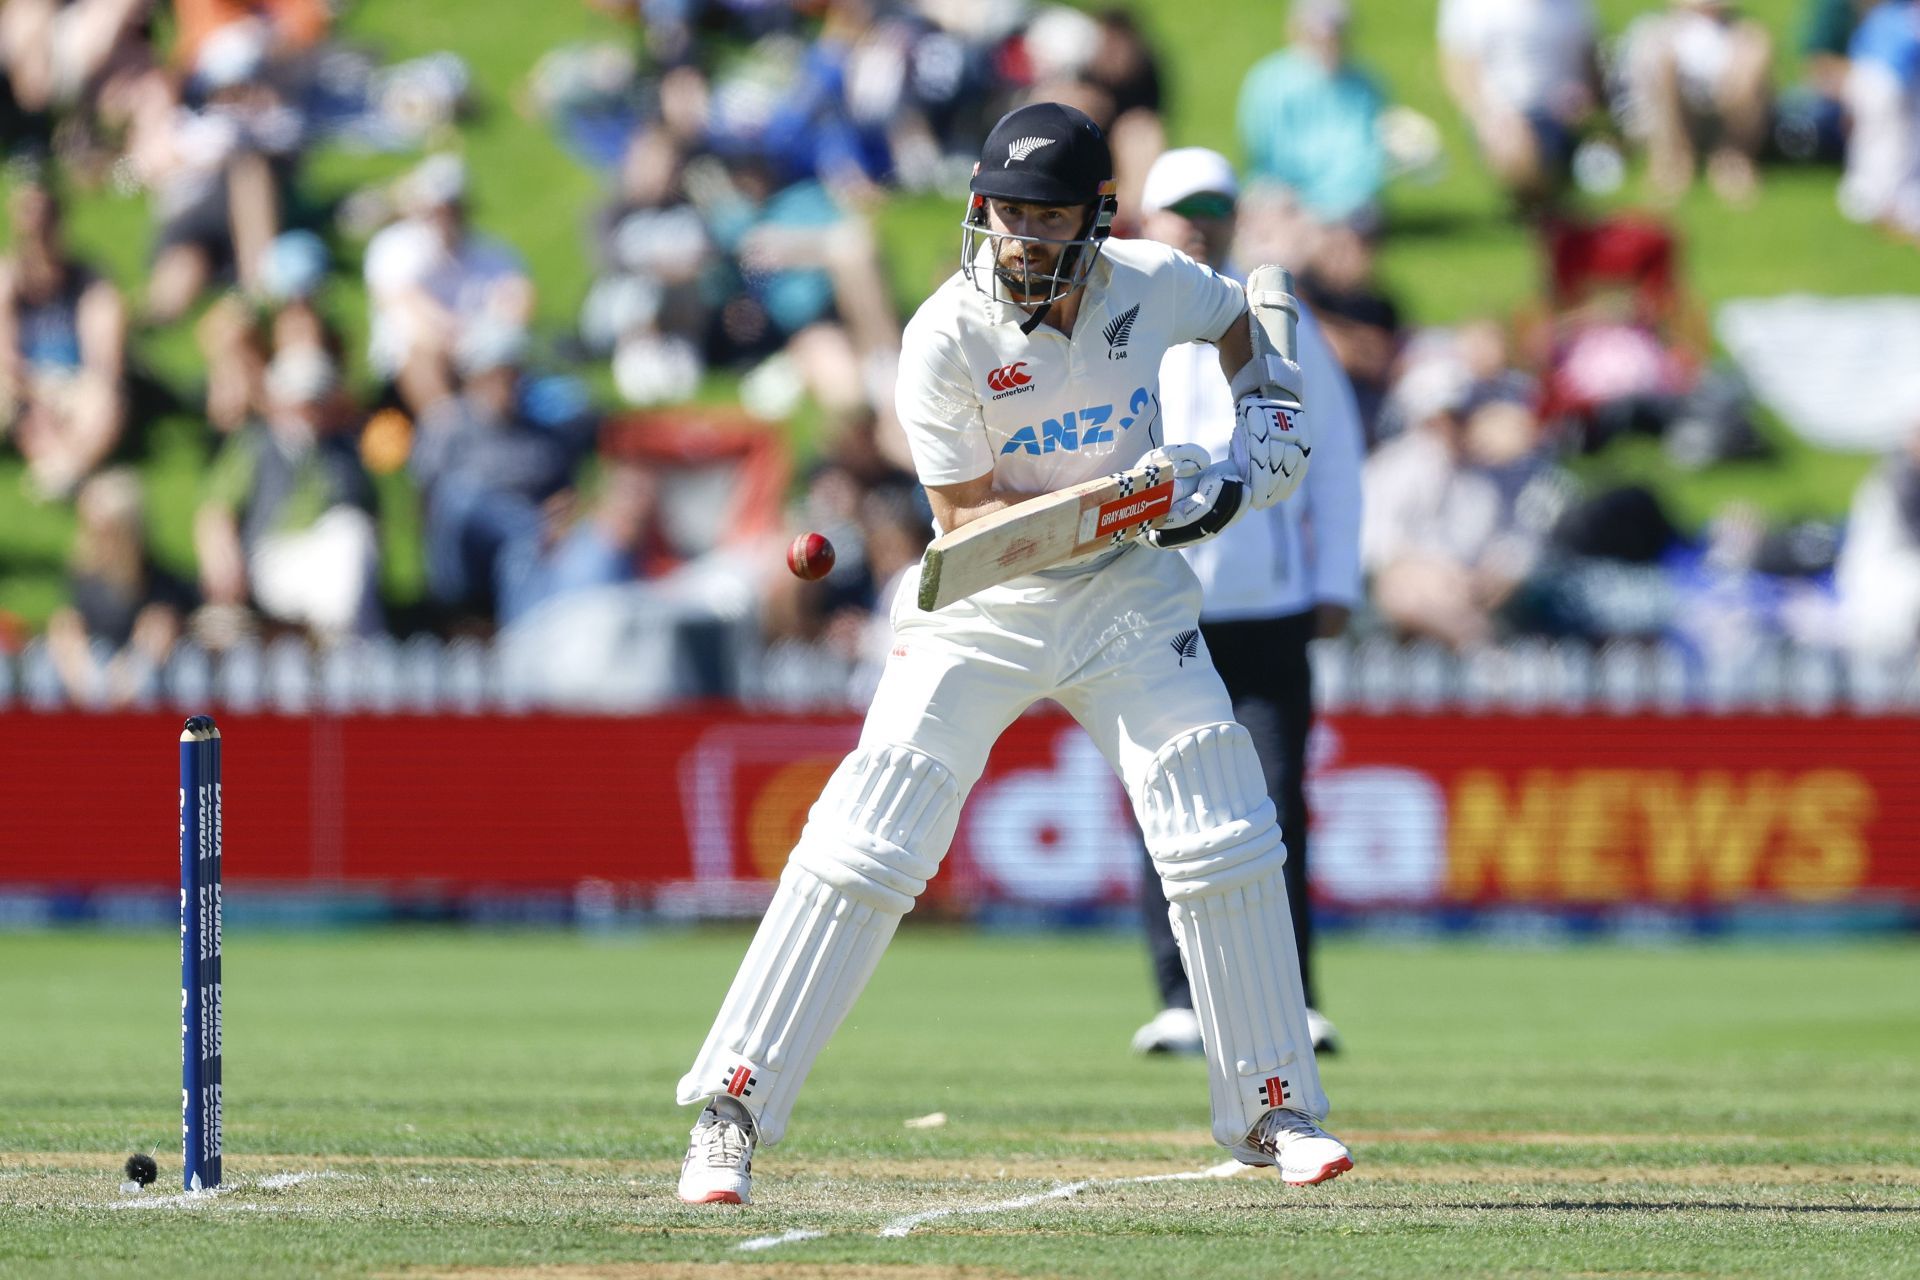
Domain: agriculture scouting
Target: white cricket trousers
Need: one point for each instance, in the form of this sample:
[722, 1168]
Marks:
[1119, 648]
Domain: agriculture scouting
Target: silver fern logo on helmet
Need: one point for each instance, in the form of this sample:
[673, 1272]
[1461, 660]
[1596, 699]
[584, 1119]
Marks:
[1000, 254]
[1021, 148]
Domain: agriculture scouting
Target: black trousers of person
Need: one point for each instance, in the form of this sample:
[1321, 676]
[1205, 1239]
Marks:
[1263, 662]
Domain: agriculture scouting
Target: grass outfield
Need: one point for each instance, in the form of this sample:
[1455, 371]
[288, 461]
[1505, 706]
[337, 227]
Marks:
[481, 1104]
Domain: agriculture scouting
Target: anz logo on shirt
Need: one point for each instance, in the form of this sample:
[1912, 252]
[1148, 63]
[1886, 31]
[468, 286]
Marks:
[1076, 429]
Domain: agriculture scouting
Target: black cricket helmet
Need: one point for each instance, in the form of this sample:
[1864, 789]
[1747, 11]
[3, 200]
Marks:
[1046, 154]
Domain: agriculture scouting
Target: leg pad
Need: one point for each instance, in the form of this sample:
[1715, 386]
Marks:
[872, 840]
[1210, 827]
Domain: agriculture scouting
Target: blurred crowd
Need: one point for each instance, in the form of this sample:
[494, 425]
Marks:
[615, 496]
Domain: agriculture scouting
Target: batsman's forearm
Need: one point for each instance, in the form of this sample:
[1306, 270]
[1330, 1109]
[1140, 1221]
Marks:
[1236, 346]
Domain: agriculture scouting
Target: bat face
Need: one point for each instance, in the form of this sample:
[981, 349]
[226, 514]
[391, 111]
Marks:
[1017, 553]
[1041, 532]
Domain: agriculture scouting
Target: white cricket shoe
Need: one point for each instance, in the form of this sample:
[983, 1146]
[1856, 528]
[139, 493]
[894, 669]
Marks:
[719, 1164]
[1305, 1152]
[1326, 1040]
[1170, 1031]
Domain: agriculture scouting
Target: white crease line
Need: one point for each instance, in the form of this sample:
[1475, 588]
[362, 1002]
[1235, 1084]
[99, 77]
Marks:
[184, 1200]
[901, 1226]
[1066, 1191]
[196, 1199]
[785, 1237]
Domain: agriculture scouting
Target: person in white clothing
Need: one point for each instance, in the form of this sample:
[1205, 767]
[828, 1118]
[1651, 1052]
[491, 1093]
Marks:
[1526, 75]
[1270, 584]
[1036, 366]
[1699, 73]
[431, 278]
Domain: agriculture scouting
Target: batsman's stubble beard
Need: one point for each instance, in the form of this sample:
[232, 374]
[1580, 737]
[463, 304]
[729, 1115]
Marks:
[1024, 268]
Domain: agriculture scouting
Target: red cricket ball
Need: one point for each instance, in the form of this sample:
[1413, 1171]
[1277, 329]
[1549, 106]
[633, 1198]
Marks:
[810, 556]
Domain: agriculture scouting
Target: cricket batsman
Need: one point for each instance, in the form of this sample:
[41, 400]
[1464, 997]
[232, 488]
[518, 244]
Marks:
[1034, 367]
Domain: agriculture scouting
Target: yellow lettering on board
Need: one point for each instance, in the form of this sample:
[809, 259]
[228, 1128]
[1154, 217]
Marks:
[1709, 838]
[1595, 842]
[1671, 865]
[1496, 842]
[1825, 853]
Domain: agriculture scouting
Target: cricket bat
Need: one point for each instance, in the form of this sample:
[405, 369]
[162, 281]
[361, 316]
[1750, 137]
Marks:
[1044, 531]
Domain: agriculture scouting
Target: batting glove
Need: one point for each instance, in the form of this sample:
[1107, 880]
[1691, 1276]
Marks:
[1270, 434]
[1207, 496]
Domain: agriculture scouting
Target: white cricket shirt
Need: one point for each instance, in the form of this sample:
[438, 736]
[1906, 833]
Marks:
[1041, 411]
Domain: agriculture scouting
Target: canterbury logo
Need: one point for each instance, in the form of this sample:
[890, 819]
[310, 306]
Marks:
[1021, 148]
[1120, 328]
[1008, 377]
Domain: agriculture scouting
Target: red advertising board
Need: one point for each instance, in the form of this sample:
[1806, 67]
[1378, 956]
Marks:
[1594, 810]
[1414, 811]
